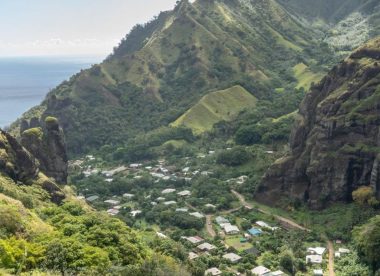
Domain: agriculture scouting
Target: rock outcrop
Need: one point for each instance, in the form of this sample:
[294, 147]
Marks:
[335, 143]
[46, 142]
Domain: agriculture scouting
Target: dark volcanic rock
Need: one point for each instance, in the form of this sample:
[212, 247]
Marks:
[47, 144]
[335, 144]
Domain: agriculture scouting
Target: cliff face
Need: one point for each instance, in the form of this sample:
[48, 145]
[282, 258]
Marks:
[335, 143]
[47, 144]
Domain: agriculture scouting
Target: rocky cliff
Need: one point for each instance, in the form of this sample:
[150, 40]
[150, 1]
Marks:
[335, 143]
[47, 144]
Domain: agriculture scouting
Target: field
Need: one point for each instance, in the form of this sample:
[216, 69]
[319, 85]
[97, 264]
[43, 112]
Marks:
[215, 107]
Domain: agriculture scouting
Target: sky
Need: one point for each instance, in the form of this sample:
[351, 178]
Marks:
[70, 27]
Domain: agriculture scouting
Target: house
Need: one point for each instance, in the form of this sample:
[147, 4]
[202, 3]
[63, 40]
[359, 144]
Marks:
[343, 251]
[128, 195]
[318, 272]
[157, 175]
[172, 202]
[193, 240]
[186, 170]
[135, 213]
[113, 212]
[109, 180]
[263, 224]
[197, 215]
[260, 271]
[160, 235]
[232, 257]
[210, 206]
[213, 271]
[221, 220]
[161, 198]
[153, 203]
[183, 210]
[168, 191]
[231, 229]
[135, 166]
[255, 232]
[211, 152]
[112, 202]
[337, 255]
[316, 250]
[314, 259]
[193, 256]
[206, 247]
[252, 251]
[184, 193]
[278, 273]
[92, 198]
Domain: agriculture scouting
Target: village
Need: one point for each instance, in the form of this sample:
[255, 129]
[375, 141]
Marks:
[177, 201]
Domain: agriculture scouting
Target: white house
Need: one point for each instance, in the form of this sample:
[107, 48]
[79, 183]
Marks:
[210, 206]
[197, 215]
[193, 256]
[135, 213]
[263, 224]
[182, 210]
[206, 247]
[231, 229]
[213, 271]
[161, 235]
[232, 257]
[278, 273]
[314, 259]
[184, 193]
[92, 198]
[112, 202]
[260, 271]
[343, 251]
[113, 212]
[193, 240]
[316, 250]
[168, 191]
[167, 203]
[126, 195]
[318, 272]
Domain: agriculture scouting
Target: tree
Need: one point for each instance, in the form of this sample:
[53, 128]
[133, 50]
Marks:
[367, 241]
[248, 135]
[287, 261]
[365, 195]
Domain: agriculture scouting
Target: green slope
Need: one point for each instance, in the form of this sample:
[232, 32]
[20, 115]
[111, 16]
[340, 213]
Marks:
[305, 76]
[215, 107]
[166, 66]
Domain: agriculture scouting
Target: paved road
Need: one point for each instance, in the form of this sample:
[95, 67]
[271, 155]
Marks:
[286, 222]
[209, 227]
[331, 258]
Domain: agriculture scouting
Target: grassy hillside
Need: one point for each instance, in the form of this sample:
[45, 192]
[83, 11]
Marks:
[305, 76]
[163, 68]
[215, 107]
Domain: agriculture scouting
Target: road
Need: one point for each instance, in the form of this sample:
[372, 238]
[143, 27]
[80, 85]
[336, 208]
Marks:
[331, 258]
[284, 221]
[209, 227]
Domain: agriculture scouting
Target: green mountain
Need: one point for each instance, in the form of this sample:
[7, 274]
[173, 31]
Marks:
[163, 68]
[344, 24]
[335, 142]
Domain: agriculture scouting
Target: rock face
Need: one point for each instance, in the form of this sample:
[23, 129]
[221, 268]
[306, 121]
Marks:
[47, 144]
[335, 143]
[15, 161]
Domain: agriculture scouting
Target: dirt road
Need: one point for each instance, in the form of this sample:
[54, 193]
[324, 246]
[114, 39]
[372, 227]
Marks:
[284, 221]
[331, 258]
[209, 227]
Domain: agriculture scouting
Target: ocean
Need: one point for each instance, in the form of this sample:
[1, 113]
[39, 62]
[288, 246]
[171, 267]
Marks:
[24, 82]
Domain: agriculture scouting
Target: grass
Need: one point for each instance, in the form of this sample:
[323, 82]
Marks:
[305, 76]
[234, 241]
[215, 107]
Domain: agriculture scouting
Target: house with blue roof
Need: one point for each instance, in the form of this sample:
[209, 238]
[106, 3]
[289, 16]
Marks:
[255, 232]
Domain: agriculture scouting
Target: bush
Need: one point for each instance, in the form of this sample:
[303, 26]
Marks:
[235, 157]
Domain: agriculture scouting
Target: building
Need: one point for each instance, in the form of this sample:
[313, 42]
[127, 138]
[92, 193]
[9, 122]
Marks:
[170, 202]
[263, 224]
[254, 251]
[278, 273]
[255, 232]
[316, 250]
[193, 256]
[318, 272]
[135, 213]
[168, 191]
[128, 195]
[314, 259]
[112, 202]
[161, 235]
[210, 206]
[193, 240]
[231, 229]
[184, 193]
[92, 198]
[213, 271]
[197, 215]
[113, 212]
[206, 247]
[221, 220]
[232, 257]
[343, 251]
[260, 271]
[182, 210]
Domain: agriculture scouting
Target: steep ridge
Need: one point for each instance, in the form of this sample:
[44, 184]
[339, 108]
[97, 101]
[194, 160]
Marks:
[163, 68]
[335, 143]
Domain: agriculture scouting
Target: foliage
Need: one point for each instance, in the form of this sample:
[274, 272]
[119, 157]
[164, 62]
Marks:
[234, 157]
[365, 195]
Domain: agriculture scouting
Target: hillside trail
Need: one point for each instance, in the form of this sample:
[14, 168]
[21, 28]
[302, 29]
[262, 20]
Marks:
[331, 258]
[285, 221]
[209, 227]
